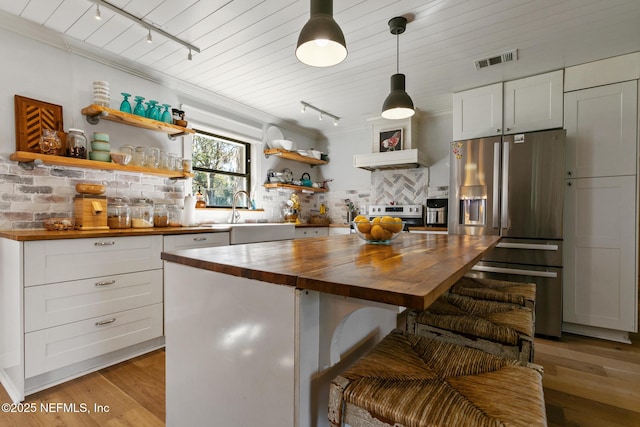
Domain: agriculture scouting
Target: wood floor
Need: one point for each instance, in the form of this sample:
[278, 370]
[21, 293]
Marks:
[588, 382]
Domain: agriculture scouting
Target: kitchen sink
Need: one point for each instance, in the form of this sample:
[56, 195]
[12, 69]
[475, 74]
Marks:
[253, 232]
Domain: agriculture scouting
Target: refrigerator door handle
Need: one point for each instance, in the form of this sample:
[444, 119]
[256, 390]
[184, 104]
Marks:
[496, 184]
[505, 186]
[534, 246]
[515, 271]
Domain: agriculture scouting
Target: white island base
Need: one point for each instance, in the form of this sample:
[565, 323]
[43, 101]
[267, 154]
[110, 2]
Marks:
[242, 352]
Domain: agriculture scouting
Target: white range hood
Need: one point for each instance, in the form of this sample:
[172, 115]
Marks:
[401, 159]
[404, 156]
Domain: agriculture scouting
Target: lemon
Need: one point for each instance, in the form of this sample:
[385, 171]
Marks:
[396, 226]
[387, 223]
[362, 223]
[377, 232]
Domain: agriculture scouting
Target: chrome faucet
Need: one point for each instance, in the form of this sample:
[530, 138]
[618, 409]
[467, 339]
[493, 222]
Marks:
[235, 216]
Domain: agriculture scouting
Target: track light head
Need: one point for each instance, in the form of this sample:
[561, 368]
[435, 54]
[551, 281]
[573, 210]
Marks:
[98, 14]
[149, 39]
[189, 57]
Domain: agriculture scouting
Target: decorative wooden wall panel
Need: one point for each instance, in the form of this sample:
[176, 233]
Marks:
[31, 117]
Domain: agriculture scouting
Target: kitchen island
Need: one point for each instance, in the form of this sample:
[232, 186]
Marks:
[255, 332]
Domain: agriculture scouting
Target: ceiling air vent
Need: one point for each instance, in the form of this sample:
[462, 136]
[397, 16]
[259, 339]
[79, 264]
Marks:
[509, 56]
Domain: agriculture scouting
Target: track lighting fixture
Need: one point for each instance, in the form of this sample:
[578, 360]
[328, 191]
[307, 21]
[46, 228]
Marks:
[321, 41]
[145, 24]
[321, 113]
[398, 104]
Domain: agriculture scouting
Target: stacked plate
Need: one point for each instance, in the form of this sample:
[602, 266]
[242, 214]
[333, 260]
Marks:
[275, 139]
[101, 95]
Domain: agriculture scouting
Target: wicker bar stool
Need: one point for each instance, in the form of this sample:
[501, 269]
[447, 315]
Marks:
[503, 329]
[523, 294]
[411, 381]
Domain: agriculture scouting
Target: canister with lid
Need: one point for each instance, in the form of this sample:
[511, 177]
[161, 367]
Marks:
[142, 214]
[160, 216]
[118, 214]
[174, 213]
[76, 144]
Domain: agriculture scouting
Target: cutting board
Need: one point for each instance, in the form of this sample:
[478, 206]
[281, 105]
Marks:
[31, 117]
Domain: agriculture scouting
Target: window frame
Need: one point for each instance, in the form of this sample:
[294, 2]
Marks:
[247, 165]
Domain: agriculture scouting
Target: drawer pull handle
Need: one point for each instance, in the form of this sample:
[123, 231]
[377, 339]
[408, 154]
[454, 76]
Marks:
[199, 239]
[110, 243]
[105, 283]
[105, 322]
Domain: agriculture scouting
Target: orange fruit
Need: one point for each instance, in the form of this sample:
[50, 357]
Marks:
[396, 226]
[377, 232]
[362, 223]
[387, 223]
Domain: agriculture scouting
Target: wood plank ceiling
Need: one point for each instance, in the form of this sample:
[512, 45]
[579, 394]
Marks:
[247, 46]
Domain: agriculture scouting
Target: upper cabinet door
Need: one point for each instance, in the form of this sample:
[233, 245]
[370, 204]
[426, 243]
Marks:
[477, 112]
[533, 103]
[601, 130]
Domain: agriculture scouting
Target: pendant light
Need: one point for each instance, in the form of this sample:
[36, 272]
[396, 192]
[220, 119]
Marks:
[398, 104]
[321, 41]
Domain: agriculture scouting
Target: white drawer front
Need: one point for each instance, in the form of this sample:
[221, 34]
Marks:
[53, 348]
[201, 240]
[50, 261]
[60, 303]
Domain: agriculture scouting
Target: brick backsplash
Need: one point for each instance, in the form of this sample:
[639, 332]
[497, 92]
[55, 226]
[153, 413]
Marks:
[29, 196]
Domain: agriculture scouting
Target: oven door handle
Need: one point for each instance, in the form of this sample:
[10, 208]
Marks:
[515, 271]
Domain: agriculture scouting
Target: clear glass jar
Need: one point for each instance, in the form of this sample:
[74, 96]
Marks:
[174, 214]
[160, 216]
[139, 156]
[142, 214]
[76, 144]
[118, 214]
[50, 142]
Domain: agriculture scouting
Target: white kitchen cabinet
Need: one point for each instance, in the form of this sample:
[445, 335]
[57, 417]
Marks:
[533, 103]
[600, 276]
[73, 306]
[477, 112]
[601, 130]
[306, 232]
[200, 240]
[338, 231]
[518, 106]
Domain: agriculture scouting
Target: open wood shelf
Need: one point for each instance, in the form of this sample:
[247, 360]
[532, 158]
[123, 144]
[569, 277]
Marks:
[95, 113]
[292, 155]
[300, 188]
[48, 159]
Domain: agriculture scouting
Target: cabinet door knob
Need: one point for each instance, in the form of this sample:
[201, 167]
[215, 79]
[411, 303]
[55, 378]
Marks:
[507, 129]
[569, 184]
[497, 130]
[569, 173]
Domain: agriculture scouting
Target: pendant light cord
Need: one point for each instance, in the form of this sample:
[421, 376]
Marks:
[397, 53]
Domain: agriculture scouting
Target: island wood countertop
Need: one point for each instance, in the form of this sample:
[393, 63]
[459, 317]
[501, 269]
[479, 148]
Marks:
[412, 271]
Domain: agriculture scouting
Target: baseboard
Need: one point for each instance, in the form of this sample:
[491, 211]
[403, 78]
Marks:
[59, 376]
[595, 332]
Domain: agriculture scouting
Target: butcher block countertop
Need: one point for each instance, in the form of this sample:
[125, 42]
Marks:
[28, 235]
[411, 272]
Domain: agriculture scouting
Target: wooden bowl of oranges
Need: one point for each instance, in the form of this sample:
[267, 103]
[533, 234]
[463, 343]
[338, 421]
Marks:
[380, 230]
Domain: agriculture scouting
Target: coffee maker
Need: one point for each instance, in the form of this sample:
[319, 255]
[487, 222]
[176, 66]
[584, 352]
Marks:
[436, 213]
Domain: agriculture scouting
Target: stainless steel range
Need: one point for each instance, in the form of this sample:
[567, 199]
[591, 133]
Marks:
[413, 215]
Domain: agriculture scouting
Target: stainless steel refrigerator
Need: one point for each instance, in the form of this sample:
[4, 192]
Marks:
[512, 186]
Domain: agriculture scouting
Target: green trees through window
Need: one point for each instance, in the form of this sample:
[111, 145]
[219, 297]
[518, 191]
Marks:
[221, 166]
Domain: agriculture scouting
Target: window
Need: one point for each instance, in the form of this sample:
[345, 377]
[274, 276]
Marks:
[221, 166]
